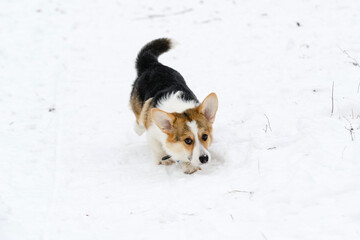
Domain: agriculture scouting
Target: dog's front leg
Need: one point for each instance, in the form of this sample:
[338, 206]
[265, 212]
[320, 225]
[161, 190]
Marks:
[158, 152]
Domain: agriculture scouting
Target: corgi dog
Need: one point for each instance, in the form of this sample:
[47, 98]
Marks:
[178, 126]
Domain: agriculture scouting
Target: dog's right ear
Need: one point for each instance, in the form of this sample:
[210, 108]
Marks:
[163, 120]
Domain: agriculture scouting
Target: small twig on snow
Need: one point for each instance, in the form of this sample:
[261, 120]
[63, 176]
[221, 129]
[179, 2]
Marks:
[351, 130]
[351, 133]
[152, 16]
[210, 20]
[267, 124]
[240, 191]
[263, 235]
[354, 61]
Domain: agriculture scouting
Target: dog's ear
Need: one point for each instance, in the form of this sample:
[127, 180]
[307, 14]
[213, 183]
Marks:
[163, 120]
[209, 107]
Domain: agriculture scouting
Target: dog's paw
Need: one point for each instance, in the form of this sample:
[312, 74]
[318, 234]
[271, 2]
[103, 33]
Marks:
[188, 168]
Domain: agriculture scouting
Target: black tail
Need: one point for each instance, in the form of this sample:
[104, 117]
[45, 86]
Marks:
[150, 53]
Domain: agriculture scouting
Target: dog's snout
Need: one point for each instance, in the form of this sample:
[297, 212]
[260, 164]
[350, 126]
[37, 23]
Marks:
[204, 158]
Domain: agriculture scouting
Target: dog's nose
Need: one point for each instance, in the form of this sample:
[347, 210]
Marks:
[204, 158]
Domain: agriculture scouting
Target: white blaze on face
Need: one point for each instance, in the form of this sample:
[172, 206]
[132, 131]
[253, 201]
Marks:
[199, 149]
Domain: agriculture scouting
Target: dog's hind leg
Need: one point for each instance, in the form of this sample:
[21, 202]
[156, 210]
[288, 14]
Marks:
[139, 129]
[143, 120]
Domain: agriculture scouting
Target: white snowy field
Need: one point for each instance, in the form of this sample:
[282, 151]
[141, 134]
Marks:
[284, 167]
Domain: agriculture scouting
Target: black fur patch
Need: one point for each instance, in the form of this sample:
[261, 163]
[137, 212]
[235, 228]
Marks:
[166, 157]
[156, 80]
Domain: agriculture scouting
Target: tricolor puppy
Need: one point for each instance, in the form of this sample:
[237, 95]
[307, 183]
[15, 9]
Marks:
[179, 127]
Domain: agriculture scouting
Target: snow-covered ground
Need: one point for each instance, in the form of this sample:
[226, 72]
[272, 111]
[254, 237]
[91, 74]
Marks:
[284, 167]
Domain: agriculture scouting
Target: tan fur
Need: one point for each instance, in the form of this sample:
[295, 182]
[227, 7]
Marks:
[181, 131]
[204, 126]
[136, 106]
[145, 116]
[142, 111]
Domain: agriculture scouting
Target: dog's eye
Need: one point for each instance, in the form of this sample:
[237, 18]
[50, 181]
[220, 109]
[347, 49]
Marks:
[204, 137]
[188, 141]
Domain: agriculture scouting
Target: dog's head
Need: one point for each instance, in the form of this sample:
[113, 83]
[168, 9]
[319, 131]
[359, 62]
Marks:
[189, 134]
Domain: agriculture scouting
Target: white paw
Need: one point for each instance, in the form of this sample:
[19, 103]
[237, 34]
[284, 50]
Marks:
[188, 168]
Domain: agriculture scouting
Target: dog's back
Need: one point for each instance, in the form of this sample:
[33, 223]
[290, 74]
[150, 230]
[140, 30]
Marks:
[156, 81]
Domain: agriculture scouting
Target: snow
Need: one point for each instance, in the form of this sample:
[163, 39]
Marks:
[71, 166]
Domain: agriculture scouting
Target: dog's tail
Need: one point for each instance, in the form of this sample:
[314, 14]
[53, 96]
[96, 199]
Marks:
[150, 52]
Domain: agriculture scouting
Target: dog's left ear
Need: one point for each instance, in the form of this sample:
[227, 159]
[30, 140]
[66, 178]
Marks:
[209, 107]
